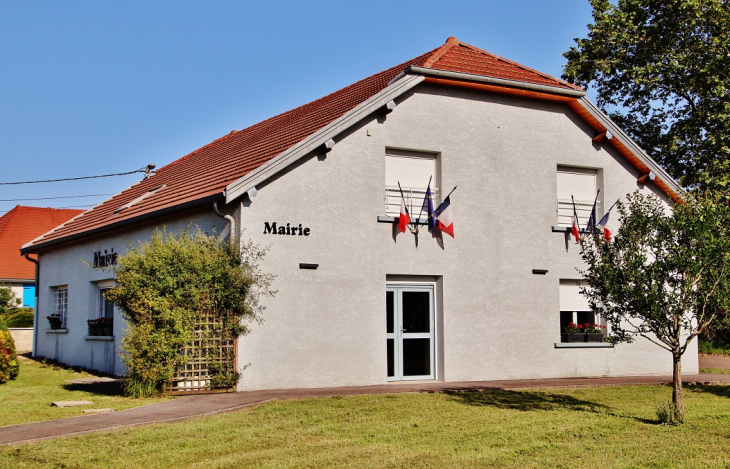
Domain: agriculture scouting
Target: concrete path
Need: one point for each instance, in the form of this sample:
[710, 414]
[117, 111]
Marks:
[715, 361]
[188, 407]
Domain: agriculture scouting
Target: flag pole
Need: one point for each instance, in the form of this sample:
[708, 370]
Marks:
[593, 212]
[614, 204]
[424, 199]
[575, 213]
[452, 191]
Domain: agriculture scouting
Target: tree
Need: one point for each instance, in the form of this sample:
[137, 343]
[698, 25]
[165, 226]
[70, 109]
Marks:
[163, 287]
[8, 302]
[666, 274]
[662, 71]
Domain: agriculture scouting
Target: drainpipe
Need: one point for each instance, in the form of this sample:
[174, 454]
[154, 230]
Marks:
[37, 303]
[231, 220]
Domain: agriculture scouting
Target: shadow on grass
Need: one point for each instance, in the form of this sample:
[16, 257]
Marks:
[718, 390]
[524, 400]
[101, 389]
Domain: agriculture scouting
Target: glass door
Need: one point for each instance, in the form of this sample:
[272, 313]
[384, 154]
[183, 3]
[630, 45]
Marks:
[410, 337]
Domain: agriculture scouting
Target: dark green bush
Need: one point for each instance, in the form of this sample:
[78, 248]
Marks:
[22, 317]
[162, 288]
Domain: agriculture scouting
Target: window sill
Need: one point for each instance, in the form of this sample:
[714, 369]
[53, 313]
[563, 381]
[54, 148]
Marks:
[63, 330]
[567, 229]
[583, 345]
[107, 338]
[384, 219]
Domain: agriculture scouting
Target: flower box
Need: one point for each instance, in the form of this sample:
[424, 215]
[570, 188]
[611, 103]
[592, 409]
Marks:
[54, 320]
[582, 333]
[572, 338]
[594, 337]
[101, 327]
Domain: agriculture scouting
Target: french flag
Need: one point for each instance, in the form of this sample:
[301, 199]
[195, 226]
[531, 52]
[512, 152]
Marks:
[404, 219]
[603, 225]
[444, 218]
[575, 231]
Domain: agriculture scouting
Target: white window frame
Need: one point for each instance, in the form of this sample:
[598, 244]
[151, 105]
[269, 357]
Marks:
[583, 198]
[101, 287]
[60, 303]
[398, 334]
[579, 283]
[413, 191]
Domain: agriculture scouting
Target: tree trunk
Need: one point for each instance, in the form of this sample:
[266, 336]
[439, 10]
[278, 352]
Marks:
[677, 396]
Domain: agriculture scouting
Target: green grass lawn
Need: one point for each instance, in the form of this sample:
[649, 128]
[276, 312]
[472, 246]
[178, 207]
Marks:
[28, 399]
[722, 371]
[597, 428]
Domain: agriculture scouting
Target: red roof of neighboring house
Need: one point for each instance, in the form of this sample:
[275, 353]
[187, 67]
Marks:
[208, 170]
[21, 225]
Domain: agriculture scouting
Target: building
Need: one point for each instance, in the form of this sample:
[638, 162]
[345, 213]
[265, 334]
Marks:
[358, 303]
[18, 227]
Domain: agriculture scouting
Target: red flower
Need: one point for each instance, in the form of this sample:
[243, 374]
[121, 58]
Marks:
[580, 327]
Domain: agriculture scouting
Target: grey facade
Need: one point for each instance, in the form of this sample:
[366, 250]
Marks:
[492, 319]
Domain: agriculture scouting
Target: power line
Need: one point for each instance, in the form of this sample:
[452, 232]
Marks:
[147, 169]
[53, 198]
[70, 206]
[78, 206]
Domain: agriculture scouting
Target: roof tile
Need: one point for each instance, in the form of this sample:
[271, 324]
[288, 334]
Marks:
[208, 170]
[21, 225]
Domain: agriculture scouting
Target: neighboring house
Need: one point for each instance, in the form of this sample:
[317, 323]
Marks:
[358, 303]
[17, 227]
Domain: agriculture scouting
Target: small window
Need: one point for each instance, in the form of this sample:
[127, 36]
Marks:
[574, 306]
[60, 303]
[577, 184]
[413, 170]
[105, 308]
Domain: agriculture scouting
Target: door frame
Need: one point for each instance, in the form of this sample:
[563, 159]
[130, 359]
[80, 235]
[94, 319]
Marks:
[398, 334]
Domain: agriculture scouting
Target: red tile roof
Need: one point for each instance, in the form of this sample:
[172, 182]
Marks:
[208, 170]
[459, 57]
[21, 225]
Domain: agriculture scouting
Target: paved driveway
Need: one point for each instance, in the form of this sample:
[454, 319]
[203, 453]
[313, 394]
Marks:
[715, 361]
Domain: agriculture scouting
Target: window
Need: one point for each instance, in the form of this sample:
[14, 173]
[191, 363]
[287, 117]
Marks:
[582, 185]
[574, 306]
[104, 307]
[60, 303]
[413, 170]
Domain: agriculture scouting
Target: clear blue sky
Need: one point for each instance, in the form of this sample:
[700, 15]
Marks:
[92, 88]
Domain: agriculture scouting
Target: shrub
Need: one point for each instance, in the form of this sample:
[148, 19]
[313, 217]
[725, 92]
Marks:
[668, 413]
[22, 317]
[163, 287]
[9, 365]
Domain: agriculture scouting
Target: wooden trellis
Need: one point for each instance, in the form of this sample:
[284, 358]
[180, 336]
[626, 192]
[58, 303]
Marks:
[211, 348]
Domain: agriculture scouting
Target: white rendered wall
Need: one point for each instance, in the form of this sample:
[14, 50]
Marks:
[68, 266]
[326, 327]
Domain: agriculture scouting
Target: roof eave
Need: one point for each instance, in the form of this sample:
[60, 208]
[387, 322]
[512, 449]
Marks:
[288, 157]
[433, 72]
[632, 146]
[122, 224]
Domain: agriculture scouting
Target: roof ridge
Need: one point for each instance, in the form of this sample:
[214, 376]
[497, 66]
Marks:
[438, 53]
[519, 65]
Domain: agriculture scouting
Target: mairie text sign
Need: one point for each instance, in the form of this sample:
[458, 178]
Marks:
[271, 228]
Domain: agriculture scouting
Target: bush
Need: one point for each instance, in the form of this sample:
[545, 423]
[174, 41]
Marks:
[668, 414]
[9, 365]
[162, 289]
[22, 317]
